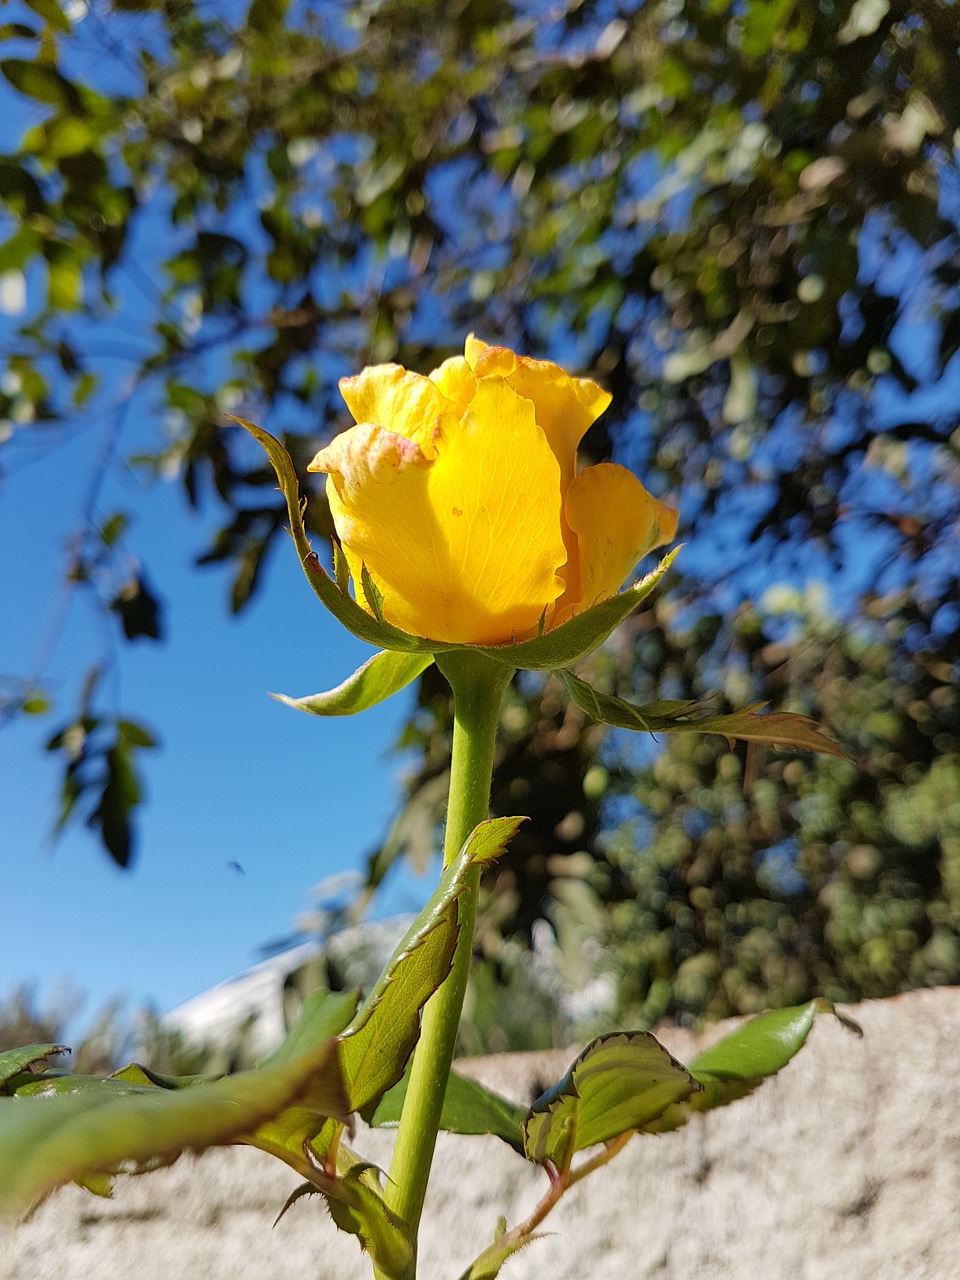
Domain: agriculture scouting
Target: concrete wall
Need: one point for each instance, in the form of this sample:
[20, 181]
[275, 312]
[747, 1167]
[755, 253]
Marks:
[845, 1167]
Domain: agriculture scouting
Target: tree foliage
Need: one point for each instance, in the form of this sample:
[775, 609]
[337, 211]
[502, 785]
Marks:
[755, 877]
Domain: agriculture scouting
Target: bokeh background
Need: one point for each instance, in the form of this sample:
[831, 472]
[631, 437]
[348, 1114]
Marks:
[741, 218]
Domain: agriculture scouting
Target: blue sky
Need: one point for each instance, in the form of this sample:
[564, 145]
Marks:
[290, 797]
[238, 779]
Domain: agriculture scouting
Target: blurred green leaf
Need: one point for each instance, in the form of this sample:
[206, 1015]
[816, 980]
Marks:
[140, 611]
[136, 1073]
[51, 12]
[103, 1126]
[468, 1108]
[324, 1014]
[41, 81]
[36, 702]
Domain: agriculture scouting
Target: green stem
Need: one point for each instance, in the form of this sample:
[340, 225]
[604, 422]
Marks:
[478, 685]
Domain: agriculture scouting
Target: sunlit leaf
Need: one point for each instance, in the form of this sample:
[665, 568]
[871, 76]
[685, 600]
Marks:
[739, 1063]
[383, 675]
[97, 1128]
[324, 1014]
[51, 12]
[28, 1058]
[378, 1042]
[619, 1083]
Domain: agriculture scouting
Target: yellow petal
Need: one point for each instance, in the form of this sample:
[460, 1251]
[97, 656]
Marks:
[616, 523]
[495, 360]
[565, 406]
[405, 403]
[456, 380]
[464, 547]
[473, 349]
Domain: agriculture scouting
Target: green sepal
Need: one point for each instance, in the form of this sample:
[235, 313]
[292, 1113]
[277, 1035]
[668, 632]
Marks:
[547, 651]
[104, 1126]
[739, 1063]
[618, 1084]
[28, 1059]
[383, 675]
[582, 633]
[371, 593]
[376, 1045]
[468, 1108]
[343, 607]
[778, 728]
[341, 569]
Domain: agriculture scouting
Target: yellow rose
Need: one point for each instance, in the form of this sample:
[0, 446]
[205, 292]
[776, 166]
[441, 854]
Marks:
[460, 495]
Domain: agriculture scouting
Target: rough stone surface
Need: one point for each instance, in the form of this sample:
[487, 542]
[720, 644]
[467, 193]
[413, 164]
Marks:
[844, 1167]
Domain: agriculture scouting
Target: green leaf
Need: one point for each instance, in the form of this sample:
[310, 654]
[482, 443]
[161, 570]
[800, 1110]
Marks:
[141, 613]
[64, 282]
[778, 728]
[137, 1073]
[41, 81]
[267, 15]
[383, 675]
[51, 12]
[16, 252]
[380, 1039]
[36, 702]
[488, 840]
[98, 1128]
[761, 1047]
[741, 1061]
[619, 1083]
[20, 189]
[341, 569]
[113, 528]
[17, 31]
[468, 1107]
[28, 1058]
[489, 1264]
[324, 1014]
